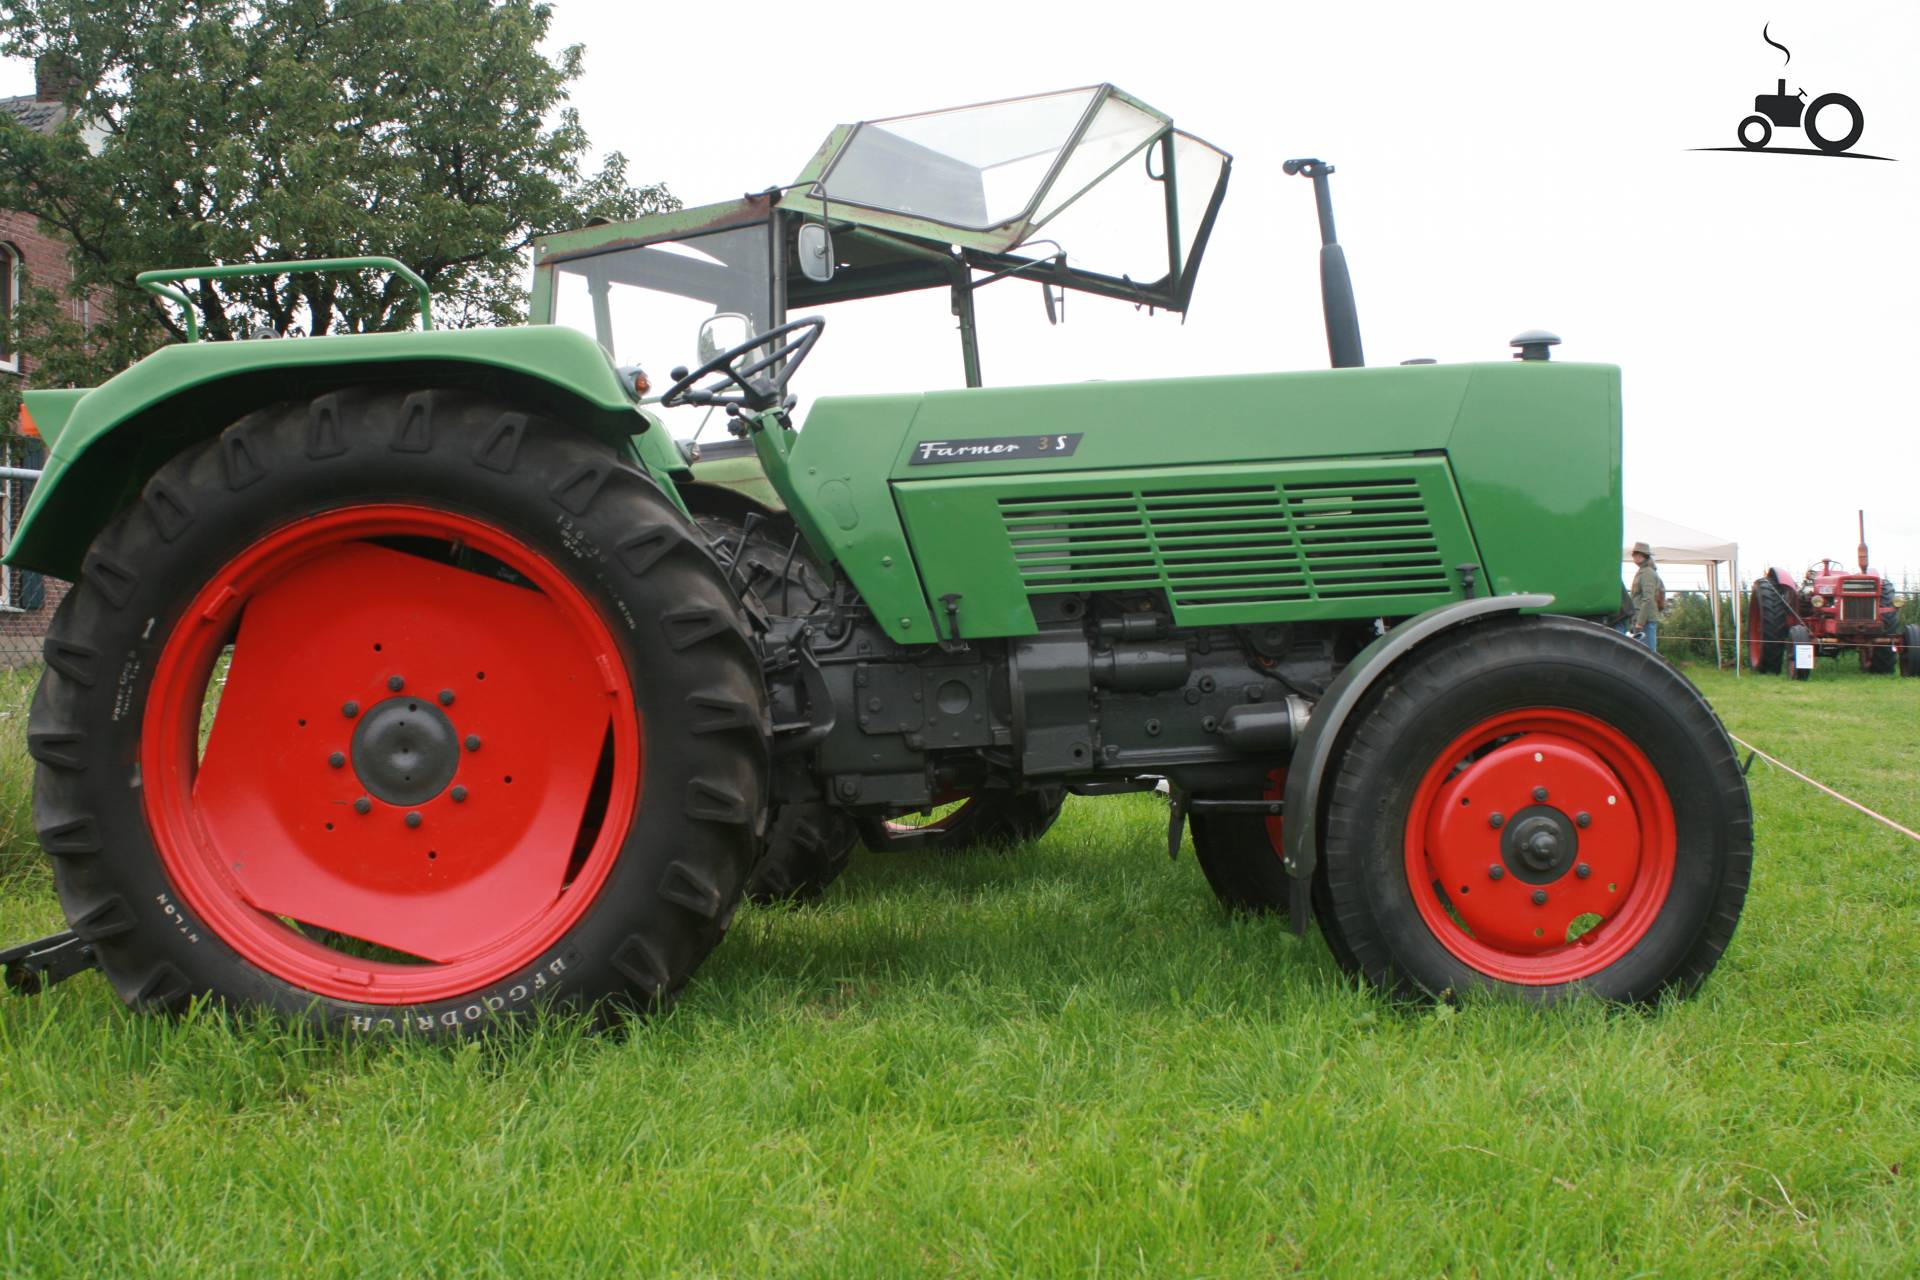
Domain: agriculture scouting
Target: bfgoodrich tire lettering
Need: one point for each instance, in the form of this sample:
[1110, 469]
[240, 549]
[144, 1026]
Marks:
[571, 502]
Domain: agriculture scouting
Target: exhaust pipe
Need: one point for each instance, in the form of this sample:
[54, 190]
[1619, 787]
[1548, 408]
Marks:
[1336, 286]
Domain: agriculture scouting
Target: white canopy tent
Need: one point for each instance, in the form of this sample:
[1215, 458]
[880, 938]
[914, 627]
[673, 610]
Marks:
[1677, 544]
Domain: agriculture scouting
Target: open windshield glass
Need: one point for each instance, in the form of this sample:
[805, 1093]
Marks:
[646, 304]
[989, 165]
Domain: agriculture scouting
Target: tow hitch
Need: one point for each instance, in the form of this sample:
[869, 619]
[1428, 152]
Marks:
[34, 966]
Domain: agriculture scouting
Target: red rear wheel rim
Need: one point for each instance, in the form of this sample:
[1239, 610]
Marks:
[329, 801]
[1528, 827]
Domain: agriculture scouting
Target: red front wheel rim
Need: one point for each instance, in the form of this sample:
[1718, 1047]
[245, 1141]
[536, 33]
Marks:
[419, 771]
[1540, 846]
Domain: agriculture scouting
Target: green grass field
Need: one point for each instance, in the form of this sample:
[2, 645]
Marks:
[1058, 1061]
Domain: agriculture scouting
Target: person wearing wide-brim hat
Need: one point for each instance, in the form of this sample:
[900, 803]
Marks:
[1645, 594]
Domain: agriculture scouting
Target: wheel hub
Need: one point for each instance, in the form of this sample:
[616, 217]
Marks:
[1540, 844]
[405, 751]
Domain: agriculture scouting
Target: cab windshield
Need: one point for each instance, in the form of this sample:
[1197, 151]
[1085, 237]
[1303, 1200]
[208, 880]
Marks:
[646, 304]
[985, 166]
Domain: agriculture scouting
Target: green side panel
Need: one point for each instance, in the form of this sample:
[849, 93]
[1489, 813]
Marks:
[1321, 413]
[1227, 543]
[118, 432]
[1538, 464]
[1533, 447]
[837, 491]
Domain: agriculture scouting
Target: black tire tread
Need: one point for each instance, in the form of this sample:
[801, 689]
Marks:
[1373, 752]
[464, 451]
[1771, 613]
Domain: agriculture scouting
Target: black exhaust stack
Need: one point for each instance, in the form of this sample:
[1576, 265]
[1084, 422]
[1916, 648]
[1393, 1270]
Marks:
[1336, 287]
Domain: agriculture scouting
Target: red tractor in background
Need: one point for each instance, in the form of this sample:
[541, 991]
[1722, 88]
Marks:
[1829, 610]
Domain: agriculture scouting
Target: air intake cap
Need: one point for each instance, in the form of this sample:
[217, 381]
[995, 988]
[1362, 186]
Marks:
[1533, 344]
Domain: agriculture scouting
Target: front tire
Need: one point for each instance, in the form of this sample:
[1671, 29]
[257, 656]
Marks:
[1537, 807]
[1910, 650]
[399, 712]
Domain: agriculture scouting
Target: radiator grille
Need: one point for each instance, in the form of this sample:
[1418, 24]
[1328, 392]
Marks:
[1859, 608]
[1243, 544]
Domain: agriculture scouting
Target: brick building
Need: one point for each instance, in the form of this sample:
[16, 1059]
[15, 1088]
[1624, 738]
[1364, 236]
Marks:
[27, 253]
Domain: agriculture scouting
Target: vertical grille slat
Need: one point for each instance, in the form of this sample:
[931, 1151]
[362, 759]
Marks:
[1234, 544]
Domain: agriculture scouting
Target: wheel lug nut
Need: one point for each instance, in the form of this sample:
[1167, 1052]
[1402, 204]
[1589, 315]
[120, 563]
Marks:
[337, 760]
[459, 795]
[1583, 819]
[413, 819]
[395, 683]
[473, 742]
[350, 709]
[1583, 871]
[1540, 793]
[363, 805]
[1539, 897]
[1496, 819]
[1496, 872]
[446, 697]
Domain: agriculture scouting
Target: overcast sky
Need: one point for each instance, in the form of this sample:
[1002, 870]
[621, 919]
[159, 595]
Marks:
[1501, 167]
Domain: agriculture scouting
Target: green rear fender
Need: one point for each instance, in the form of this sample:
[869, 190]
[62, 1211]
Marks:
[103, 443]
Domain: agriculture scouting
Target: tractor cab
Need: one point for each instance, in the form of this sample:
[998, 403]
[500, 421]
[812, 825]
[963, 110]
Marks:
[1086, 189]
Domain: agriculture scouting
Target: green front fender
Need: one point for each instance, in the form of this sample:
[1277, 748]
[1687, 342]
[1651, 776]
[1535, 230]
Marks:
[102, 444]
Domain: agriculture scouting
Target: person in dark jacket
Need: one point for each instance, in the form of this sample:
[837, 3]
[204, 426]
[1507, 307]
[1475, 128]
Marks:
[1646, 593]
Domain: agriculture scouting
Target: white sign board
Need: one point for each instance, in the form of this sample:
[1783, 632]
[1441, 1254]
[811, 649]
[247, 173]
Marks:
[1803, 657]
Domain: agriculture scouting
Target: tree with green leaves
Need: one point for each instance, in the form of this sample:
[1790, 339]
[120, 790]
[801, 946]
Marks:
[231, 131]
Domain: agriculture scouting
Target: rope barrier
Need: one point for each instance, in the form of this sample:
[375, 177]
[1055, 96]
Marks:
[1744, 640]
[1880, 818]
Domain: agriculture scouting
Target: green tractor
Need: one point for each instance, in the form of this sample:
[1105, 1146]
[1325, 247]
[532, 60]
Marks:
[413, 680]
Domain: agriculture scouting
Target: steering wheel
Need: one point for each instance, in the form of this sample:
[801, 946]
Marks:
[783, 351]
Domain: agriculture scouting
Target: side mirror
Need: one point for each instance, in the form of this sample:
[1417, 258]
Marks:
[722, 331]
[815, 245]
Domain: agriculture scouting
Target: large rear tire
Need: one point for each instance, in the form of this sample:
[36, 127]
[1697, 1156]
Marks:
[1538, 807]
[1766, 627]
[1856, 122]
[399, 712]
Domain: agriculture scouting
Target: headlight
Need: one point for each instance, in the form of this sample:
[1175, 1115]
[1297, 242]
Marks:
[1816, 602]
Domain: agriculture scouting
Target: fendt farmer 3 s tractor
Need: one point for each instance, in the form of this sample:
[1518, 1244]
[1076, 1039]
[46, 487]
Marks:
[401, 687]
[1827, 612]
